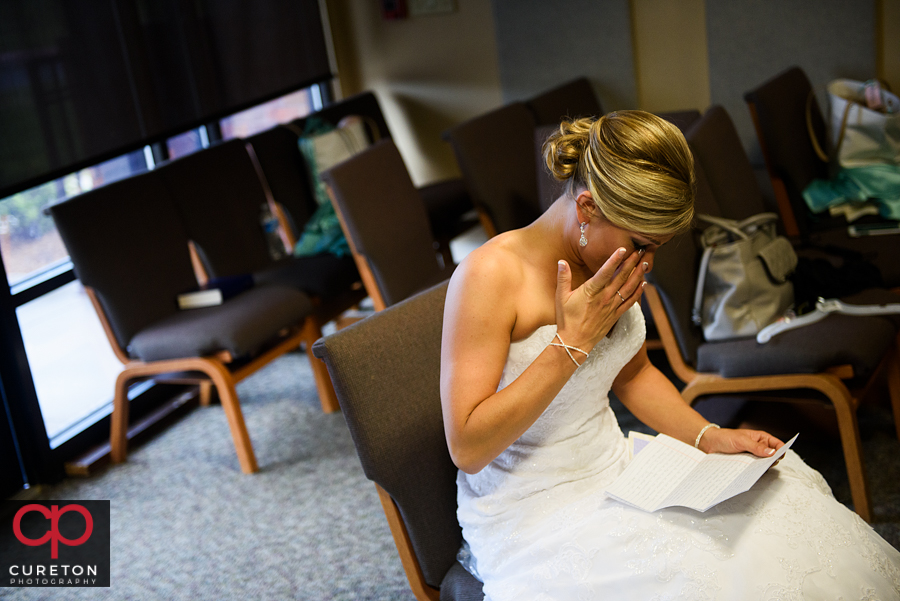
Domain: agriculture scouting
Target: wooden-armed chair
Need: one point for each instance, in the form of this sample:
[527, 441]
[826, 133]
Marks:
[726, 169]
[282, 171]
[130, 252]
[718, 149]
[779, 111]
[495, 153]
[385, 224]
[447, 202]
[572, 99]
[820, 362]
[218, 195]
[778, 108]
[386, 371]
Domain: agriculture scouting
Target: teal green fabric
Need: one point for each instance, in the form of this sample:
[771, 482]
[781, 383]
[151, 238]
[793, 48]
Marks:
[322, 233]
[877, 183]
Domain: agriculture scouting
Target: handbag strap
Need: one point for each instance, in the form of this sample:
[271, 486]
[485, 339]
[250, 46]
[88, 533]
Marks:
[729, 225]
[739, 228]
[843, 129]
[696, 315]
[840, 140]
[809, 126]
[758, 220]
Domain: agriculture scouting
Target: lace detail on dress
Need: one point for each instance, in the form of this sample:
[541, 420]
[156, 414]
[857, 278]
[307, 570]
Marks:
[661, 545]
[871, 551]
[541, 528]
[566, 444]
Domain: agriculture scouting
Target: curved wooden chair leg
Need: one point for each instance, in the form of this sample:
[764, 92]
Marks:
[205, 393]
[692, 391]
[420, 588]
[118, 427]
[848, 426]
[892, 374]
[224, 383]
[221, 378]
[327, 397]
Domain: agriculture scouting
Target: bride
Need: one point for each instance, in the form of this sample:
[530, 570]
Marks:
[539, 325]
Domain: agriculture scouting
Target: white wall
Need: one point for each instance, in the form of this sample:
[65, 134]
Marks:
[429, 73]
[432, 72]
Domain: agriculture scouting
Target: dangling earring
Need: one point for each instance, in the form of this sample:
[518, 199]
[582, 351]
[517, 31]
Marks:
[583, 240]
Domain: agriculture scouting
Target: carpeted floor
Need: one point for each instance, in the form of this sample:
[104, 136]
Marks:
[186, 524]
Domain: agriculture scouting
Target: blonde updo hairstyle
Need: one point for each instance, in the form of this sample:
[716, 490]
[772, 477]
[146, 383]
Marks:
[637, 166]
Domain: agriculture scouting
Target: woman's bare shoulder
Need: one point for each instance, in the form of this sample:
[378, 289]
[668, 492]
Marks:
[486, 284]
[495, 262]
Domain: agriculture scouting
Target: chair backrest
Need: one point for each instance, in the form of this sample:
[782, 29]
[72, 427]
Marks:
[675, 276]
[681, 119]
[778, 108]
[549, 188]
[572, 99]
[285, 171]
[495, 152]
[385, 221]
[718, 148]
[219, 195]
[139, 261]
[386, 373]
[675, 270]
[704, 200]
[283, 164]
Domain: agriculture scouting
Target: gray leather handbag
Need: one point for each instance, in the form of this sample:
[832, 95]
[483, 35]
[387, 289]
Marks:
[742, 284]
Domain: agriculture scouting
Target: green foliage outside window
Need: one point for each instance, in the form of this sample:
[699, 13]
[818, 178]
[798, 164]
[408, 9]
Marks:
[23, 213]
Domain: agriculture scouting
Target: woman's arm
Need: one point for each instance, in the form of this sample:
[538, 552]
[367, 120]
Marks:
[479, 316]
[654, 400]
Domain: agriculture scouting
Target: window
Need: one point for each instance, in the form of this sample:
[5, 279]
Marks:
[186, 143]
[73, 366]
[71, 362]
[29, 243]
[281, 110]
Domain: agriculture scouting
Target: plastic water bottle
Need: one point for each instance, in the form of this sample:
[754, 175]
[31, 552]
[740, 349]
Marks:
[269, 224]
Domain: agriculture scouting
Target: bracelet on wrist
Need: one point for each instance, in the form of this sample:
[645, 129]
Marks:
[702, 432]
[569, 349]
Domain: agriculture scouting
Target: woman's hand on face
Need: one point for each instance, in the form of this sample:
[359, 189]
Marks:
[585, 315]
[726, 440]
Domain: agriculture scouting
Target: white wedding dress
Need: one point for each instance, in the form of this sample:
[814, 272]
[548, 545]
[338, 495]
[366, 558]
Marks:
[540, 527]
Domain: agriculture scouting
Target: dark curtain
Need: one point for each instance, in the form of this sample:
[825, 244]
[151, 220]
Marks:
[82, 81]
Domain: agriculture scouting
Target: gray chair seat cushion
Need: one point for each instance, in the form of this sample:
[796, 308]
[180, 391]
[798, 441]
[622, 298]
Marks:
[324, 276]
[836, 340]
[241, 325]
[459, 585]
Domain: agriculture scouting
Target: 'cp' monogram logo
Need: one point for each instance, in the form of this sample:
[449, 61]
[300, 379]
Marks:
[53, 534]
